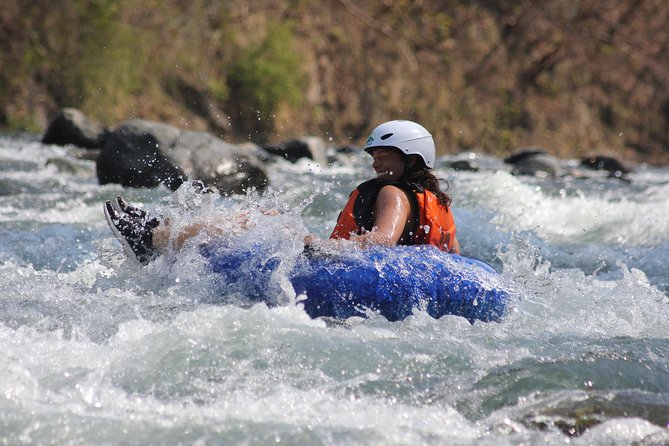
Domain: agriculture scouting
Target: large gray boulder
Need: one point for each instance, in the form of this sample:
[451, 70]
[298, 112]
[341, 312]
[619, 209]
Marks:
[71, 126]
[141, 153]
[227, 167]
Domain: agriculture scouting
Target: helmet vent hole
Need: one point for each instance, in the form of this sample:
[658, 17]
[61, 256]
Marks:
[386, 136]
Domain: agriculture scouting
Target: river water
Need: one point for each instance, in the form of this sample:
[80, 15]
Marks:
[97, 350]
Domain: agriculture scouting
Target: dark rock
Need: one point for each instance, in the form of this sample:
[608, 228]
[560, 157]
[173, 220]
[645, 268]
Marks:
[70, 166]
[307, 147]
[71, 126]
[145, 154]
[132, 156]
[88, 155]
[538, 164]
[342, 154]
[348, 149]
[607, 163]
[523, 154]
[464, 165]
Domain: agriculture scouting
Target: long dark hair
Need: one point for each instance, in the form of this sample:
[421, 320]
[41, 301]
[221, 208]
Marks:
[419, 174]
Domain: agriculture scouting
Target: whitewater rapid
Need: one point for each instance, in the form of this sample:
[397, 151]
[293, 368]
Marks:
[97, 350]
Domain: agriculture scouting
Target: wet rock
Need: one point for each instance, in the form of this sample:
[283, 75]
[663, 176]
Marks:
[70, 166]
[345, 155]
[463, 165]
[522, 154]
[311, 147]
[71, 126]
[575, 417]
[607, 163]
[132, 156]
[227, 167]
[348, 149]
[538, 164]
[88, 154]
[142, 153]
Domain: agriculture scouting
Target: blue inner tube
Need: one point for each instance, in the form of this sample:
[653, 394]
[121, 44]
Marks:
[393, 282]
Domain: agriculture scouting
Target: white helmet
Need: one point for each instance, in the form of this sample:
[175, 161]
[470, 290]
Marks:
[409, 137]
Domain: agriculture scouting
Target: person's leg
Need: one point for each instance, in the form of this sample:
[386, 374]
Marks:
[144, 238]
[163, 239]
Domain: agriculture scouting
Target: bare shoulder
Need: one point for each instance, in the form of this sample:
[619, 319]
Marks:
[392, 197]
[391, 192]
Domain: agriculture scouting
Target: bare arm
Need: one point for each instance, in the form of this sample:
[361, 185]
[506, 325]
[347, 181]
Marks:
[392, 211]
[455, 249]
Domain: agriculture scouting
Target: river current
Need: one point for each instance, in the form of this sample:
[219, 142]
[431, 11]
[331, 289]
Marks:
[95, 349]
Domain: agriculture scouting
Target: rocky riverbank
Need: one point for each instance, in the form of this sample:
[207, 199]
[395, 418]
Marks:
[141, 153]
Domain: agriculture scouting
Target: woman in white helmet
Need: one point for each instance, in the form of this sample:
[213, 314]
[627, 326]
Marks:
[402, 205]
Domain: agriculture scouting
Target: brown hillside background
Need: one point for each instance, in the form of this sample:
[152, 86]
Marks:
[572, 77]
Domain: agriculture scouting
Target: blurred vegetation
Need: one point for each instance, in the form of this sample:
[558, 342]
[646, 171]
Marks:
[481, 75]
[79, 52]
[263, 76]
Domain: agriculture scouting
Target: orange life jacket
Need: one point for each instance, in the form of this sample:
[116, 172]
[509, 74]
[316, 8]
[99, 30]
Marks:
[433, 223]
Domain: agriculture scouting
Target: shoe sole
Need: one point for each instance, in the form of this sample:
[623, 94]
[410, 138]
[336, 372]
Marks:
[109, 208]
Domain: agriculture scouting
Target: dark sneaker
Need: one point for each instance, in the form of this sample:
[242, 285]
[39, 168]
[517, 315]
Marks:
[127, 208]
[134, 231]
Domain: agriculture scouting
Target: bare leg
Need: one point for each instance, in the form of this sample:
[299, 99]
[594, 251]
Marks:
[163, 239]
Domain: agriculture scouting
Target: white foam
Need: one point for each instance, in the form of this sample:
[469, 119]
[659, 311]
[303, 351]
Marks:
[582, 216]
